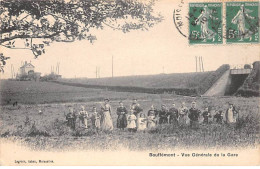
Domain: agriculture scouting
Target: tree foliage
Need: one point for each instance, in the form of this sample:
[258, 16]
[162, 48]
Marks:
[3, 61]
[69, 20]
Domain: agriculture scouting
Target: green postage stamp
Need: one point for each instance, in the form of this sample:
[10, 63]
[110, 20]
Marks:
[205, 23]
[242, 22]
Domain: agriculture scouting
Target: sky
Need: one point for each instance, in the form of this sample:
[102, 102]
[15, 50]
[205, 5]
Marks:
[162, 49]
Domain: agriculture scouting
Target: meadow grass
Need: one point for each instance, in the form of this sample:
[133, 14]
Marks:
[30, 92]
[47, 129]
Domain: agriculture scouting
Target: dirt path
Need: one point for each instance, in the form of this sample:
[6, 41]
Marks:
[219, 87]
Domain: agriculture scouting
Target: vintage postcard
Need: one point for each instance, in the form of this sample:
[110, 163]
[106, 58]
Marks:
[129, 82]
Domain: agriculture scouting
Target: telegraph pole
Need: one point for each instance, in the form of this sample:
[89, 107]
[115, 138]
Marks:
[196, 64]
[58, 68]
[199, 64]
[12, 70]
[202, 64]
[112, 66]
[96, 72]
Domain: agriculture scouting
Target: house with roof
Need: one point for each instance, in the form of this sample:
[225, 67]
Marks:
[26, 69]
[26, 72]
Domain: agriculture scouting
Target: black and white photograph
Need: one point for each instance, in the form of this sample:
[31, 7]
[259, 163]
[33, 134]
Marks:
[119, 83]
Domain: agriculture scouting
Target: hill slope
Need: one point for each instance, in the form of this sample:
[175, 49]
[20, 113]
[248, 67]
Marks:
[179, 83]
[179, 80]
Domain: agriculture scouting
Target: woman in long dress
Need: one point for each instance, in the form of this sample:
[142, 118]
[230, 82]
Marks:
[231, 115]
[106, 120]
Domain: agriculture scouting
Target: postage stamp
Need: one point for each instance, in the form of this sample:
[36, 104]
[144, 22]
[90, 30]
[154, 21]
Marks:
[205, 23]
[242, 22]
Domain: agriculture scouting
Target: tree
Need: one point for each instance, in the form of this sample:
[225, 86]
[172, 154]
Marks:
[3, 61]
[69, 20]
[247, 66]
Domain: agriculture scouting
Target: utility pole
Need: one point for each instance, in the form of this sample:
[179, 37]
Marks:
[196, 64]
[96, 72]
[199, 64]
[12, 71]
[202, 64]
[58, 68]
[112, 66]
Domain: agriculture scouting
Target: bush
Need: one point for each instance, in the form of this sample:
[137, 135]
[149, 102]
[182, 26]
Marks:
[59, 128]
[35, 132]
[251, 85]
[50, 77]
[247, 66]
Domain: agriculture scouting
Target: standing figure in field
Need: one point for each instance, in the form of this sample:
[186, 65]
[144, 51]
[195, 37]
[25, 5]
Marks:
[95, 119]
[194, 114]
[151, 119]
[173, 115]
[131, 121]
[240, 21]
[71, 118]
[203, 20]
[136, 107]
[218, 117]
[206, 115]
[163, 115]
[152, 110]
[121, 119]
[183, 112]
[142, 122]
[83, 118]
[231, 114]
[106, 119]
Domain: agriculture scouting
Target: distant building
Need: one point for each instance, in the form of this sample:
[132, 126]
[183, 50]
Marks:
[27, 72]
[27, 69]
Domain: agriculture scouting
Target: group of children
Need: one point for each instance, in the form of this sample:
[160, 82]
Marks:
[81, 119]
[136, 120]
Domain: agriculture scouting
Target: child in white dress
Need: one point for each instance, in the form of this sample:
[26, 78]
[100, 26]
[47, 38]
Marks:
[142, 122]
[131, 125]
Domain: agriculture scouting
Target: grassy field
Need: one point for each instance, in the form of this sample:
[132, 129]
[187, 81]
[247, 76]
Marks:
[30, 92]
[48, 131]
